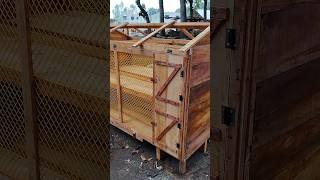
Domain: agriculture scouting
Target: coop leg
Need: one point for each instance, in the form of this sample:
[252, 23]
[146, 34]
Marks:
[205, 148]
[158, 153]
[182, 166]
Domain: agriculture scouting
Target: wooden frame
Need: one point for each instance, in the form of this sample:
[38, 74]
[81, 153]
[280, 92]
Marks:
[179, 89]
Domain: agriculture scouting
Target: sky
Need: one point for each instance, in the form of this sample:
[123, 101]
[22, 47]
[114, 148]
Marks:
[169, 5]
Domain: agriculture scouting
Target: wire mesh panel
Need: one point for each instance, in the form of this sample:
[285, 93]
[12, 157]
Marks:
[134, 73]
[12, 124]
[69, 57]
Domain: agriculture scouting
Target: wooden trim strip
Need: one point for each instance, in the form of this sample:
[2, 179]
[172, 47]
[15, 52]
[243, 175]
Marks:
[197, 39]
[153, 33]
[167, 115]
[167, 101]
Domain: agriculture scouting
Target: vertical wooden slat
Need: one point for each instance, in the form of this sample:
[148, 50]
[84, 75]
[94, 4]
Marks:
[119, 96]
[28, 91]
[184, 114]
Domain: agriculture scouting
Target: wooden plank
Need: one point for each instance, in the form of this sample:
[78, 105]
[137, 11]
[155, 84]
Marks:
[32, 149]
[153, 34]
[186, 25]
[196, 40]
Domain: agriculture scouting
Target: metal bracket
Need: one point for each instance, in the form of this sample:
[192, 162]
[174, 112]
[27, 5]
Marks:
[231, 39]
[228, 116]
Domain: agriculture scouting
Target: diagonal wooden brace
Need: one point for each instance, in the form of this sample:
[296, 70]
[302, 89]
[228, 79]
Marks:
[176, 67]
[174, 121]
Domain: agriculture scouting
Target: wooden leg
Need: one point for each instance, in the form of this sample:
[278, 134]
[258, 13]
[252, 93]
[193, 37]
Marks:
[205, 148]
[182, 166]
[158, 153]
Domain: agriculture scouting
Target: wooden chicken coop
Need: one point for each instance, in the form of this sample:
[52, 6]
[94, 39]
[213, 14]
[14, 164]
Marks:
[160, 88]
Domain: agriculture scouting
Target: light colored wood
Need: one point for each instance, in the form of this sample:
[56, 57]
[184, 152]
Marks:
[153, 34]
[119, 94]
[118, 27]
[196, 40]
[205, 148]
[190, 25]
[187, 33]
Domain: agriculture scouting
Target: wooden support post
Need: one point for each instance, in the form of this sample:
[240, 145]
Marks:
[158, 153]
[153, 34]
[119, 94]
[182, 166]
[28, 91]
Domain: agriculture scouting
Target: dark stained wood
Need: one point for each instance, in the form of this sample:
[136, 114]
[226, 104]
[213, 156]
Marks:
[281, 30]
[269, 159]
[272, 81]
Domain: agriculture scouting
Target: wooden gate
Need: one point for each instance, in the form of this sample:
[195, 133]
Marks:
[168, 92]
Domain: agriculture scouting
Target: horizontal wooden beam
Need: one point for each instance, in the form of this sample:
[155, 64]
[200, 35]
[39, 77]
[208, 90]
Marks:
[179, 25]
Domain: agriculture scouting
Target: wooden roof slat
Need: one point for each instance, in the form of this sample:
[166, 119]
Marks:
[118, 27]
[197, 39]
[153, 34]
[179, 25]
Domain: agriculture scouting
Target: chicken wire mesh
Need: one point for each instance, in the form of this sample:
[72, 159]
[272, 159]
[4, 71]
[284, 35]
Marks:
[12, 124]
[135, 73]
[69, 45]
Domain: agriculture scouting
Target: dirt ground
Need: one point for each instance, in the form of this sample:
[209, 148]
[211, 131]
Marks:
[127, 156]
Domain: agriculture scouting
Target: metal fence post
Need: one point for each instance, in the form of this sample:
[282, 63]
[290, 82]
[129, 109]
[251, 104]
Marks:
[27, 86]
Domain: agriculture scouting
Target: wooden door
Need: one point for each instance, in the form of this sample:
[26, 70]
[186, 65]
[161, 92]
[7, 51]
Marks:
[168, 91]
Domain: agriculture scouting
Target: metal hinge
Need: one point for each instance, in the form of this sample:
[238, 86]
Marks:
[228, 116]
[231, 39]
[182, 73]
[181, 98]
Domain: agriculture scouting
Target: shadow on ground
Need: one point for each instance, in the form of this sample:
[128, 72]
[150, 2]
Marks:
[127, 156]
